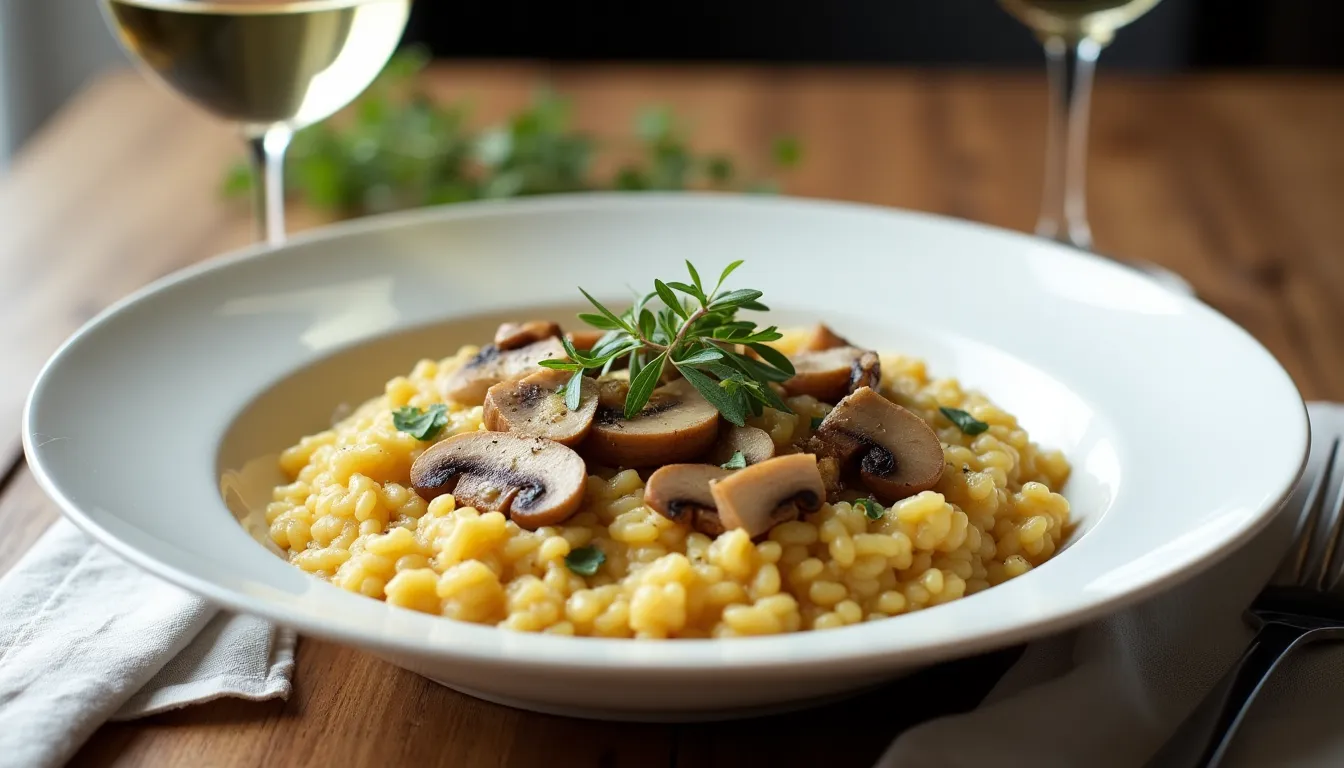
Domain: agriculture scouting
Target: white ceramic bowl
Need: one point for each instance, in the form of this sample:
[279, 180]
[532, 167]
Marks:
[1184, 432]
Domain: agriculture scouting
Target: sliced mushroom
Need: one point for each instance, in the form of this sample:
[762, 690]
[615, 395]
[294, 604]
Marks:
[763, 495]
[822, 339]
[681, 492]
[755, 444]
[533, 480]
[833, 373]
[534, 406]
[515, 335]
[676, 425]
[893, 451]
[611, 391]
[831, 476]
[468, 384]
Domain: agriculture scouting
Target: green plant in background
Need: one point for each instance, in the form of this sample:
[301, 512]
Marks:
[399, 149]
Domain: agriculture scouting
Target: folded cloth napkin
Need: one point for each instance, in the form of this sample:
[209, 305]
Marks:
[1110, 694]
[86, 637]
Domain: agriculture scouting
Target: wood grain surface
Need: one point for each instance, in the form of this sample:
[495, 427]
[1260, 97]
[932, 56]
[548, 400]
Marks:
[1236, 182]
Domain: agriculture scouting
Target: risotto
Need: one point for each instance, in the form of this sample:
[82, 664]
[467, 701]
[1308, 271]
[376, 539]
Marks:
[617, 567]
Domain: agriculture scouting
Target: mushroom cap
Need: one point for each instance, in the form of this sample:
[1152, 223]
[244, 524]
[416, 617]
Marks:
[823, 338]
[533, 480]
[515, 335]
[757, 498]
[469, 383]
[896, 453]
[678, 424]
[533, 406]
[681, 492]
[755, 444]
[831, 374]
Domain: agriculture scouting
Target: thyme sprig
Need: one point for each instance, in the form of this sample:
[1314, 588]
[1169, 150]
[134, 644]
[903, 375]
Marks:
[699, 333]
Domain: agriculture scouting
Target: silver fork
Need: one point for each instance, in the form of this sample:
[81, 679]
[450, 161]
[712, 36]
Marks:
[1304, 603]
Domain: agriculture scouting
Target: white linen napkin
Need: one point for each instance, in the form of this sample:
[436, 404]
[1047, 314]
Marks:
[1110, 694]
[86, 637]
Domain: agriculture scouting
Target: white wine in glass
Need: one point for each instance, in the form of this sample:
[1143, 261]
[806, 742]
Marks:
[1097, 19]
[270, 66]
[1073, 33]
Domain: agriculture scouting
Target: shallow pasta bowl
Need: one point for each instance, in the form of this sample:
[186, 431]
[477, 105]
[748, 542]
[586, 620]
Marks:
[1184, 433]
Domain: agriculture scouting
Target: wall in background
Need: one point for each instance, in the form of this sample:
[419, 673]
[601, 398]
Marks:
[1175, 35]
[974, 33]
[48, 50]
[6, 144]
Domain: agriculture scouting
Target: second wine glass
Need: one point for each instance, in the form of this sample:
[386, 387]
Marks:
[271, 66]
[1073, 33]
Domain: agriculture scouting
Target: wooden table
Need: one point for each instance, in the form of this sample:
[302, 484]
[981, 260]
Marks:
[1237, 182]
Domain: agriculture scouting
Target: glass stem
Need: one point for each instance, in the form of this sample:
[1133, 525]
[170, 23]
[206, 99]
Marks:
[1070, 66]
[266, 149]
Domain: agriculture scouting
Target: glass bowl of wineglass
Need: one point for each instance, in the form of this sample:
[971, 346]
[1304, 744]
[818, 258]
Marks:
[1073, 33]
[271, 66]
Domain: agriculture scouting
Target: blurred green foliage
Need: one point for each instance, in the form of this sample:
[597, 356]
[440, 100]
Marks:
[399, 149]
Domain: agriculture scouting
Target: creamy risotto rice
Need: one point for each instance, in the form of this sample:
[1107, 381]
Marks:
[350, 516]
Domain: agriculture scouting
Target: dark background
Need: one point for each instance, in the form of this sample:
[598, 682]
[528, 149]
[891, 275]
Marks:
[1176, 35]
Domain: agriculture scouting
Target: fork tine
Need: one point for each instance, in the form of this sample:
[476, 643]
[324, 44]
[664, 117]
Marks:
[1331, 570]
[1326, 531]
[1294, 567]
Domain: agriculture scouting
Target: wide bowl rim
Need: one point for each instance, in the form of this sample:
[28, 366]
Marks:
[601, 653]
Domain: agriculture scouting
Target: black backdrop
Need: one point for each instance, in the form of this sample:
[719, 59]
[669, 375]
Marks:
[1177, 34]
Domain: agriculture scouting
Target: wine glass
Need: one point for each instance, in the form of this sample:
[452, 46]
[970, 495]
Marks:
[272, 66]
[1073, 33]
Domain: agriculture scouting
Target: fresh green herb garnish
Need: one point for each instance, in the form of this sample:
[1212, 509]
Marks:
[738, 461]
[585, 560]
[816, 422]
[422, 425]
[871, 509]
[573, 391]
[698, 333]
[396, 147]
[787, 151]
[964, 421]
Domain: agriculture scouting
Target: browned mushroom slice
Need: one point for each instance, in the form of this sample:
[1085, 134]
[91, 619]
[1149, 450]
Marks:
[763, 495]
[833, 373]
[867, 372]
[831, 476]
[676, 425]
[681, 492]
[468, 384]
[515, 335]
[534, 406]
[821, 339]
[894, 452]
[611, 391]
[754, 444]
[533, 480]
